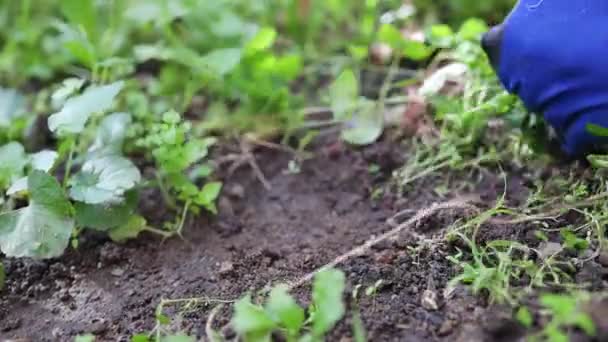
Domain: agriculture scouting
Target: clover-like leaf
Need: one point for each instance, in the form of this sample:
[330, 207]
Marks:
[77, 110]
[42, 229]
[104, 180]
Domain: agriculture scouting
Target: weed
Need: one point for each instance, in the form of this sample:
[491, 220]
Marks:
[282, 313]
[565, 312]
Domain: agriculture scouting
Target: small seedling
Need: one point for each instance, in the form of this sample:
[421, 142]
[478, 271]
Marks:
[283, 315]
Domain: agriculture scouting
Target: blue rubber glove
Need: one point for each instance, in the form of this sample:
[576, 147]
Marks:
[553, 54]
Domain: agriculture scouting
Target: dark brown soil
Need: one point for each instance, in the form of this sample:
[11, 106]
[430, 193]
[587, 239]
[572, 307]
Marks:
[264, 237]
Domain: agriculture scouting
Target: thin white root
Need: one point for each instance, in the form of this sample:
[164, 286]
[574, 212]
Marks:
[211, 334]
[455, 204]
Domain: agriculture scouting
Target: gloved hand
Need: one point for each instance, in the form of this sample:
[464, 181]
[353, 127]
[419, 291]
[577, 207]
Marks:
[553, 54]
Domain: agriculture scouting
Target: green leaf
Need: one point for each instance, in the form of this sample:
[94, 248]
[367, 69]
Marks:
[263, 40]
[130, 230]
[284, 309]
[42, 229]
[140, 338]
[44, 160]
[524, 317]
[597, 130]
[178, 338]
[441, 35]
[81, 13]
[2, 276]
[560, 305]
[77, 110]
[12, 163]
[251, 321]
[584, 321]
[222, 61]
[365, 126]
[598, 161]
[111, 134]
[68, 87]
[473, 29]
[103, 217]
[390, 35]
[104, 180]
[344, 95]
[12, 105]
[416, 51]
[209, 193]
[85, 338]
[327, 292]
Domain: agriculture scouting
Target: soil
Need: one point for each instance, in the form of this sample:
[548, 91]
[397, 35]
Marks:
[266, 236]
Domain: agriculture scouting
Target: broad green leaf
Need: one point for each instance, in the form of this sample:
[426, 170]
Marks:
[251, 321]
[328, 288]
[598, 161]
[344, 94]
[69, 87]
[472, 29]
[19, 187]
[12, 105]
[284, 309]
[365, 125]
[104, 217]
[83, 51]
[77, 110]
[597, 130]
[81, 13]
[144, 12]
[12, 163]
[130, 230]
[42, 229]
[222, 61]
[104, 180]
[441, 35]
[416, 51]
[263, 40]
[390, 35]
[111, 134]
[44, 160]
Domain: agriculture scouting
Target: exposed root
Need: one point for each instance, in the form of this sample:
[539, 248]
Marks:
[463, 204]
[212, 336]
[552, 214]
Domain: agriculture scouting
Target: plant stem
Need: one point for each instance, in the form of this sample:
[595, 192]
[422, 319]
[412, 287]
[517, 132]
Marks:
[68, 164]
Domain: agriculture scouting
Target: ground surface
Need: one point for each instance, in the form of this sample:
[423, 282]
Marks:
[264, 236]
